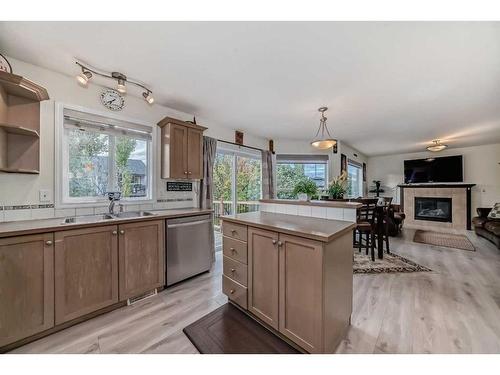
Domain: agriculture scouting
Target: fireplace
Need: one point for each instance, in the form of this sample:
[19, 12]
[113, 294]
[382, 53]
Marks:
[433, 209]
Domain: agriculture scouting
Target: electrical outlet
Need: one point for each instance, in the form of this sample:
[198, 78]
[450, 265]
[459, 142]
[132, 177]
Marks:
[44, 195]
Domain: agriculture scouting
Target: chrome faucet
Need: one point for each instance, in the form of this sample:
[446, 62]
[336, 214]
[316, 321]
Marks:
[113, 196]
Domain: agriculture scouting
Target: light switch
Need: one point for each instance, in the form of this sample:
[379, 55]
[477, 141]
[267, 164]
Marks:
[44, 195]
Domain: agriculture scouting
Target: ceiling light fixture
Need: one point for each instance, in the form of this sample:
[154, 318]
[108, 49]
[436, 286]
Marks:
[83, 77]
[323, 139]
[436, 146]
[148, 96]
[121, 79]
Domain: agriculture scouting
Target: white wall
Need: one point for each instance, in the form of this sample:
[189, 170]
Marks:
[284, 146]
[481, 167]
[22, 189]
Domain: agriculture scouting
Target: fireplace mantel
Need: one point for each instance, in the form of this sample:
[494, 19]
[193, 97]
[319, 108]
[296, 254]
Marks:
[460, 193]
[437, 185]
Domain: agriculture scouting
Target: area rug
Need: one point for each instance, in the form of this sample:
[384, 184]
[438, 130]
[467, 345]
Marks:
[456, 241]
[391, 263]
[227, 330]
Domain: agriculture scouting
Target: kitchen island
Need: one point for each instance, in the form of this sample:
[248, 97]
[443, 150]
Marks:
[292, 273]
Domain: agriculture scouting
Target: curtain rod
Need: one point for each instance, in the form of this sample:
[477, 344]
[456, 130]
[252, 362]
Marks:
[236, 144]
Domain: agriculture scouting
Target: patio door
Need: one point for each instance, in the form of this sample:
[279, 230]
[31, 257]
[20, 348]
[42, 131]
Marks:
[237, 181]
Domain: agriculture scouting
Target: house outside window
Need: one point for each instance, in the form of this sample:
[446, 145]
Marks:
[100, 154]
[290, 169]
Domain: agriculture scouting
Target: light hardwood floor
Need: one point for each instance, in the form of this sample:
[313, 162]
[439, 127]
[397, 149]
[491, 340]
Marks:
[453, 309]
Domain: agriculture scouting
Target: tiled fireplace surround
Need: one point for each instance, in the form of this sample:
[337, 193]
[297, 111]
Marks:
[460, 198]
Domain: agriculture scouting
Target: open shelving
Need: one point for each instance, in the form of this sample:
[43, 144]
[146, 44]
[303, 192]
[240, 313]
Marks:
[20, 124]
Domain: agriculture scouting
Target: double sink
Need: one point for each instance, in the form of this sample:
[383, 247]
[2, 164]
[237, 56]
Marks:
[104, 217]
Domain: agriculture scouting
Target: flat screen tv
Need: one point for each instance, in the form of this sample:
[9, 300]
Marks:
[439, 169]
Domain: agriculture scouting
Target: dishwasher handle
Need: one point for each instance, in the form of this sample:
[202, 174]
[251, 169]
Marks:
[188, 224]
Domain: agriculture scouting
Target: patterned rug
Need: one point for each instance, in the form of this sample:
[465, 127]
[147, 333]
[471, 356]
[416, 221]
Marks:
[392, 263]
[456, 241]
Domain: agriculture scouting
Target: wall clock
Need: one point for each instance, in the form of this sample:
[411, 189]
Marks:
[5, 65]
[112, 99]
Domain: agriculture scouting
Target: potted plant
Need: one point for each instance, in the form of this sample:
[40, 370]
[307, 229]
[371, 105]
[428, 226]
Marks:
[305, 189]
[338, 186]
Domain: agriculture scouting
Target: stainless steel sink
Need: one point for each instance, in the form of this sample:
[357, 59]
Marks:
[132, 214]
[87, 219]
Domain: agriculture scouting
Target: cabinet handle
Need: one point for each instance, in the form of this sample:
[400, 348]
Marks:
[114, 233]
[231, 291]
[233, 270]
[233, 250]
[185, 172]
[189, 172]
[122, 232]
[280, 243]
[233, 231]
[274, 242]
[48, 243]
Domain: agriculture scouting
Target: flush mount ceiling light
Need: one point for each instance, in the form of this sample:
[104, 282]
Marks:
[323, 139]
[121, 79]
[436, 146]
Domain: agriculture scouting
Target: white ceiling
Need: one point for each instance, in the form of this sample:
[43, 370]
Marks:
[391, 86]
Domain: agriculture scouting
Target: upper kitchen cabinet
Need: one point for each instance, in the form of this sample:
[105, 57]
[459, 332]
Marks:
[181, 149]
[20, 124]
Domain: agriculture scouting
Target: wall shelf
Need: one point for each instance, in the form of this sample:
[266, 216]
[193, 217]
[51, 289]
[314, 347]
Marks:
[20, 124]
[14, 129]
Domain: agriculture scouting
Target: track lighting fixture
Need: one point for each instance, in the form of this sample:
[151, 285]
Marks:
[83, 77]
[121, 79]
[148, 97]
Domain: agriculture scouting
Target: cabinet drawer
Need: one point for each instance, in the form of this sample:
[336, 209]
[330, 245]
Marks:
[235, 270]
[234, 249]
[236, 231]
[235, 292]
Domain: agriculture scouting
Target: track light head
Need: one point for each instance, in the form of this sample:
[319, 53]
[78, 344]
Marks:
[121, 78]
[83, 77]
[148, 96]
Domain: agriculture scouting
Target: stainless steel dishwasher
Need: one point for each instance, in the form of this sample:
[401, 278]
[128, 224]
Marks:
[188, 247]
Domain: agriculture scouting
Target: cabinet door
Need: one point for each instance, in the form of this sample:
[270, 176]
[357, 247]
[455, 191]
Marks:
[26, 286]
[263, 281]
[178, 151]
[301, 291]
[86, 269]
[141, 257]
[195, 153]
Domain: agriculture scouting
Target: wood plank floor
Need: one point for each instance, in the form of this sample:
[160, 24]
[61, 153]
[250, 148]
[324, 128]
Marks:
[454, 309]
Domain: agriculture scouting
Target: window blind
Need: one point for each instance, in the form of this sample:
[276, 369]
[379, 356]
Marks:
[302, 158]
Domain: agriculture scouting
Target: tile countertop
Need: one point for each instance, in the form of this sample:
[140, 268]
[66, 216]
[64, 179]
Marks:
[324, 230]
[15, 228]
[339, 204]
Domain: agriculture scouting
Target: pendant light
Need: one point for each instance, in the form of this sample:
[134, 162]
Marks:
[436, 146]
[323, 139]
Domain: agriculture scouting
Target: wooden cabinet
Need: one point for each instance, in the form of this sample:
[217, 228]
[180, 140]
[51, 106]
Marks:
[181, 149]
[263, 276]
[86, 271]
[141, 257]
[20, 124]
[300, 291]
[298, 286]
[26, 286]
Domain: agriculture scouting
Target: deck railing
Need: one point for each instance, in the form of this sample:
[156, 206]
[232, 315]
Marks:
[226, 207]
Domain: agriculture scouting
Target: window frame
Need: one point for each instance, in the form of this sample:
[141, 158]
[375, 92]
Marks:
[359, 167]
[61, 161]
[304, 159]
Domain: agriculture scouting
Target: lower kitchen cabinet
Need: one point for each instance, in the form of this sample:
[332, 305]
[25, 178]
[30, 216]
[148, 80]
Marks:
[263, 276]
[86, 271]
[141, 257]
[26, 286]
[300, 274]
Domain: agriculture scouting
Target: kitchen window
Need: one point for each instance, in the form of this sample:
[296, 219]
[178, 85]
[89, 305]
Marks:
[292, 168]
[100, 154]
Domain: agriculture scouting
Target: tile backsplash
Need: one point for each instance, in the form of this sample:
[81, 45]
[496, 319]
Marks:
[47, 211]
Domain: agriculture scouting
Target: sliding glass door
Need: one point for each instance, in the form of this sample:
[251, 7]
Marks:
[237, 182]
